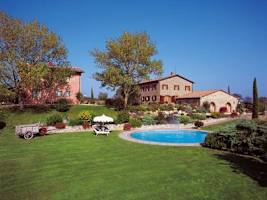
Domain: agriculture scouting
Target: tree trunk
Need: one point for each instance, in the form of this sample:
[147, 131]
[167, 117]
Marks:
[126, 96]
[20, 101]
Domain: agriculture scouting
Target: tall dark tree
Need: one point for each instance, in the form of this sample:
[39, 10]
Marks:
[255, 106]
[126, 61]
[92, 93]
[228, 90]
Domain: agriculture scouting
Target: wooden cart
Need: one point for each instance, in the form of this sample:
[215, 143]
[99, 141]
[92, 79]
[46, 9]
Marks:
[29, 130]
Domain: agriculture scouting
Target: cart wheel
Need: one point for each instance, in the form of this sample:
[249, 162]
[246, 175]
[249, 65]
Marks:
[28, 135]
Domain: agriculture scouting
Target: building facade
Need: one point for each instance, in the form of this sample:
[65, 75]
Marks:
[164, 90]
[68, 91]
[178, 89]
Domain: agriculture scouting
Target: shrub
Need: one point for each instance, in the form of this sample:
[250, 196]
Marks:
[215, 115]
[127, 127]
[206, 105]
[202, 110]
[62, 105]
[160, 118]
[247, 137]
[75, 122]
[184, 119]
[116, 103]
[153, 107]
[198, 116]
[102, 95]
[53, 119]
[60, 125]
[148, 120]
[2, 124]
[123, 117]
[234, 114]
[85, 115]
[180, 107]
[223, 110]
[198, 124]
[79, 96]
[135, 122]
[166, 107]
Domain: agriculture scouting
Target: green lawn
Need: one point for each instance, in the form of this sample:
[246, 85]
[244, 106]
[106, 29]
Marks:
[84, 166]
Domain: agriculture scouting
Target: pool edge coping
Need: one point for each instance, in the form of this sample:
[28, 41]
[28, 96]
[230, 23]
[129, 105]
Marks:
[126, 135]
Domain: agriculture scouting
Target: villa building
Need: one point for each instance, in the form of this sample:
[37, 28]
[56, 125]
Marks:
[68, 91]
[178, 89]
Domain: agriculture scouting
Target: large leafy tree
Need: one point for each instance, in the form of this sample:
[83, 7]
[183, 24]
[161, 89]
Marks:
[28, 54]
[255, 104]
[125, 62]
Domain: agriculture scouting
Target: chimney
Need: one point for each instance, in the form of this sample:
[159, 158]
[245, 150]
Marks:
[172, 73]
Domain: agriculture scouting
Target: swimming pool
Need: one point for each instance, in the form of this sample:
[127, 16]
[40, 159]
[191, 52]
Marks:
[171, 137]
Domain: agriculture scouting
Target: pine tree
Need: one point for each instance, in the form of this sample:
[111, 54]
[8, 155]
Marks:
[92, 93]
[255, 106]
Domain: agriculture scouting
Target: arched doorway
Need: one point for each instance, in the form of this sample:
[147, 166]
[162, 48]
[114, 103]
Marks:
[212, 107]
[229, 107]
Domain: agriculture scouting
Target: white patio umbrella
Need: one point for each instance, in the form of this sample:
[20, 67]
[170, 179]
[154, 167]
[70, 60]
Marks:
[103, 119]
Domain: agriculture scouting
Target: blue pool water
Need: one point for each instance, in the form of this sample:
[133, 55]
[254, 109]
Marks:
[171, 136]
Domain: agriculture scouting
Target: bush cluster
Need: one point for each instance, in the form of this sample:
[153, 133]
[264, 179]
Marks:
[216, 115]
[199, 124]
[135, 122]
[75, 122]
[247, 137]
[53, 119]
[62, 105]
[166, 107]
[85, 115]
[123, 117]
[148, 120]
[198, 116]
[127, 127]
[183, 119]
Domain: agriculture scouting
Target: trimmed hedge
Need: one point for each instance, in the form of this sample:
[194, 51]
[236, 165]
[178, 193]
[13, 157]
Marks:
[247, 137]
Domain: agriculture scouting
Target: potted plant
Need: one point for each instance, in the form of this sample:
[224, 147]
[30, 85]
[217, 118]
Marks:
[85, 116]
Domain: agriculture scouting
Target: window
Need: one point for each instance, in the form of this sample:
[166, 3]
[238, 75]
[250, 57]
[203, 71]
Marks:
[148, 98]
[187, 88]
[67, 94]
[36, 94]
[58, 93]
[164, 87]
[176, 87]
[154, 87]
[154, 98]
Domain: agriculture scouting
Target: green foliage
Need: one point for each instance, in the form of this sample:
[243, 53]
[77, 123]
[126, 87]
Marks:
[85, 115]
[199, 124]
[75, 122]
[135, 122]
[79, 96]
[53, 119]
[216, 115]
[5, 94]
[247, 137]
[116, 103]
[183, 119]
[126, 61]
[123, 117]
[26, 54]
[166, 107]
[160, 118]
[255, 105]
[62, 105]
[148, 120]
[198, 116]
[102, 95]
[2, 124]
[206, 105]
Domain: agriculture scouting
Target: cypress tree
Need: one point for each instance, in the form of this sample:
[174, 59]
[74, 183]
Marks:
[92, 93]
[255, 106]
[228, 90]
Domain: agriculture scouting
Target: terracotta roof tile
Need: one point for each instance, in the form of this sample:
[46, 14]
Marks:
[163, 78]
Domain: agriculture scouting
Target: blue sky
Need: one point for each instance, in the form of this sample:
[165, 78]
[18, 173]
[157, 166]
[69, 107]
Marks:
[215, 43]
